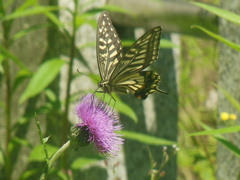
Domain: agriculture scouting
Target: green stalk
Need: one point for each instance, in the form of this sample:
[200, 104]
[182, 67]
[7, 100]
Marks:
[53, 159]
[66, 126]
[8, 100]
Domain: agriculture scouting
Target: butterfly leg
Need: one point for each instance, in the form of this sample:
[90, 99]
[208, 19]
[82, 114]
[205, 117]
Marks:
[111, 97]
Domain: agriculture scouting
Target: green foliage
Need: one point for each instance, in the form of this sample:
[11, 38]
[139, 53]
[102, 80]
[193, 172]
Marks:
[219, 38]
[210, 132]
[46, 73]
[83, 161]
[9, 55]
[198, 70]
[37, 154]
[217, 131]
[230, 16]
[146, 139]
[28, 12]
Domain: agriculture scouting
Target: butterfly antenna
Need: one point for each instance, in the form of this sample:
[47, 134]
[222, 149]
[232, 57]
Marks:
[87, 76]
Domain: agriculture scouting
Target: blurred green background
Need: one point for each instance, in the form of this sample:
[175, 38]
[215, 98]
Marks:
[45, 44]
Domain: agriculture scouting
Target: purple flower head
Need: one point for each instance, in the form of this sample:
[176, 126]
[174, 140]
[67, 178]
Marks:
[98, 125]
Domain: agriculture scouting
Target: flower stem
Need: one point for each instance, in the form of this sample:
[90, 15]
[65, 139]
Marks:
[53, 159]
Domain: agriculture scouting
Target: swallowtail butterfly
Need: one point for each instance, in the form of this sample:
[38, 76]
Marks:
[124, 74]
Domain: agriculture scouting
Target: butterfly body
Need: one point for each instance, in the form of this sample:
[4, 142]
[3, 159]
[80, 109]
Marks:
[124, 74]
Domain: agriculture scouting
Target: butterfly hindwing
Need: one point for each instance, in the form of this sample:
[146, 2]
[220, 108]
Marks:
[109, 48]
[150, 85]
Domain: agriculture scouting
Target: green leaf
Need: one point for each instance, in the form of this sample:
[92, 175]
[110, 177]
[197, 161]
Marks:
[29, 173]
[125, 109]
[38, 153]
[51, 95]
[30, 11]
[28, 30]
[21, 141]
[20, 77]
[232, 17]
[217, 131]
[26, 4]
[146, 139]
[234, 149]
[9, 55]
[215, 36]
[53, 18]
[45, 140]
[119, 105]
[82, 162]
[42, 78]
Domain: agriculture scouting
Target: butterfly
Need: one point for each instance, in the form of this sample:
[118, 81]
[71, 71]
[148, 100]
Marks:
[124, 74]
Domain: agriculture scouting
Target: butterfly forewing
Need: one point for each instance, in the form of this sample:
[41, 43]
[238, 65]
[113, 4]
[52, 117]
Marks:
[109, 48]
[141, 54]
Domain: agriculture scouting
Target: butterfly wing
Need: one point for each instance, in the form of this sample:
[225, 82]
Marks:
[109, 48]
[128, 75]
[141, 54]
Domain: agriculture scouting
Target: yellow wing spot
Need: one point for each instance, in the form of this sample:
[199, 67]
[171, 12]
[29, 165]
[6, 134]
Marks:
[102, 41]
[102, 47]
[114, 53]
[134, 88]
[141, 56]
[129, 55]
[127, 82]
[115, 61]
[111, 47]
[138, 86]
[143, 51]
[149, 36]
[139, 67]
[109, 41]
[138, 62]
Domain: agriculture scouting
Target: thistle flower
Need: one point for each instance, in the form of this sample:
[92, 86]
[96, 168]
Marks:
[98, 126]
